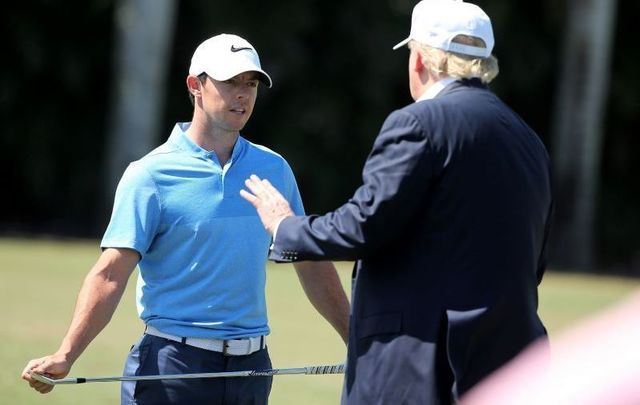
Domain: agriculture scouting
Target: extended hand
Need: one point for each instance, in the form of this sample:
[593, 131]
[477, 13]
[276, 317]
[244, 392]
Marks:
[270, 204]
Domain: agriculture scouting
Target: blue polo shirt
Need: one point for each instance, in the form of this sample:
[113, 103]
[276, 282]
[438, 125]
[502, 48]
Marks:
[203, 248]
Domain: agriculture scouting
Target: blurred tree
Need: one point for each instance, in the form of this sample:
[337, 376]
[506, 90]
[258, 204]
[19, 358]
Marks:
[144, 36]
[578, 128]
[618, 219]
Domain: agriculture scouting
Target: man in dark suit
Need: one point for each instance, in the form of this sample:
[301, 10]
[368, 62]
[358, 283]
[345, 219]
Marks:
[448, 228]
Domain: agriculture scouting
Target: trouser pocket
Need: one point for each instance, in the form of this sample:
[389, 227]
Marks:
[135, 358]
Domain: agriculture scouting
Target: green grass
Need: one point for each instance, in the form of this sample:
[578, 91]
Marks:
[39, 280]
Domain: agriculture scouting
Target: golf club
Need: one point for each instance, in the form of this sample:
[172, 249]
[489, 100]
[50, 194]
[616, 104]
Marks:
[334, 369]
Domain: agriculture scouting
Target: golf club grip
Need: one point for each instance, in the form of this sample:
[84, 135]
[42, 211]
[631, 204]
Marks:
[50, 381]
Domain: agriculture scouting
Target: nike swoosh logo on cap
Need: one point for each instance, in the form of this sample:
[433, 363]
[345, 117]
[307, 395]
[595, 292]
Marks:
[234, 49]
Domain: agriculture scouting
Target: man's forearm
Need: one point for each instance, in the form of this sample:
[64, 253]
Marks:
[98, 298]
[322, 286]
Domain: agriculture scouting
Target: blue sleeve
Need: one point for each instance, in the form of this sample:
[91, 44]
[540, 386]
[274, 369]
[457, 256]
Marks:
[136, 212]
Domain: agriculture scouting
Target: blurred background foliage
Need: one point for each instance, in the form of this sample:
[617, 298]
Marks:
[335, 80]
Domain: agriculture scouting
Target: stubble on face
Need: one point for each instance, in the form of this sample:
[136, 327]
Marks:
[229, 103]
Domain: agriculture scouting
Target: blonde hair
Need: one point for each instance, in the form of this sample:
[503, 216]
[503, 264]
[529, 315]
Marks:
[443, 63]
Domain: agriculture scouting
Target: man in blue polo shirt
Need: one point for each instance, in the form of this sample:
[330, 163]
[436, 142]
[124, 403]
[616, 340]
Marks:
[200, 248]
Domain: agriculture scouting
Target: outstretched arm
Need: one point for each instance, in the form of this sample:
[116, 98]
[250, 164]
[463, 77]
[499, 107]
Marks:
[98, 298]
[318, 279]
[323, 288]
[397, 178]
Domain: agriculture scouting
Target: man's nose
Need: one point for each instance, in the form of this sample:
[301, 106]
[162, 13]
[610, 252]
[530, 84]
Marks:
[243, 92]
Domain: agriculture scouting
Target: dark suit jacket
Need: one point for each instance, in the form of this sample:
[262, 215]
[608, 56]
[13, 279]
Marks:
[449, 231]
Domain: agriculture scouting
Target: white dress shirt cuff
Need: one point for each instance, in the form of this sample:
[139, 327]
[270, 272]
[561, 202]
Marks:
[275, 232]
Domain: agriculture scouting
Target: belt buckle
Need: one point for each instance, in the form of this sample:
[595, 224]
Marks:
[247, 350]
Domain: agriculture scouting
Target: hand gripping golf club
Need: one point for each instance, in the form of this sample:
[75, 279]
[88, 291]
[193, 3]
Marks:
[335, 369]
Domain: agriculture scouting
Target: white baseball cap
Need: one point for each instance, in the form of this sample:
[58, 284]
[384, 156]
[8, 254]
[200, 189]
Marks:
[225, 56]
[437, 22]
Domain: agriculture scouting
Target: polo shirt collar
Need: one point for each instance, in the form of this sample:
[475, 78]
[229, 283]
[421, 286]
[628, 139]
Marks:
[180, 140]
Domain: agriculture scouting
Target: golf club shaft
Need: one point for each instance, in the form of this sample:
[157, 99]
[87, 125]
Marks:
[334, 369]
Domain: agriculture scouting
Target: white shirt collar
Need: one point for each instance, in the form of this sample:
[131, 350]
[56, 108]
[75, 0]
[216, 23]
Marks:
[436, 88]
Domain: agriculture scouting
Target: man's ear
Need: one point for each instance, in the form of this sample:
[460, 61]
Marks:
[194, 85]
[418, 63]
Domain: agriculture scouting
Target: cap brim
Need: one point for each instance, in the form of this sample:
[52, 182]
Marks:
[403, 43]
[262, 76]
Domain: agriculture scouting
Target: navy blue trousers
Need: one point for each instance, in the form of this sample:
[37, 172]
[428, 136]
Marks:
[155, 355]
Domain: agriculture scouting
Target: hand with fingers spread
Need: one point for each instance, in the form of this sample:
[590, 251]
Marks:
[272, 207]
[54, 366]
